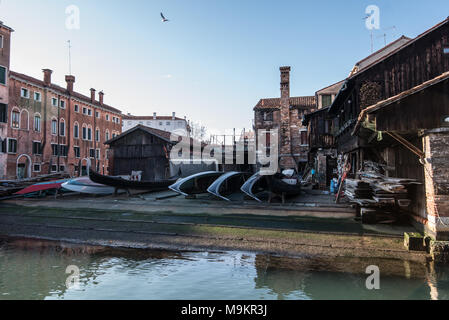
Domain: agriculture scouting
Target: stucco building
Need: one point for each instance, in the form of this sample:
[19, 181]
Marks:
[165, 123]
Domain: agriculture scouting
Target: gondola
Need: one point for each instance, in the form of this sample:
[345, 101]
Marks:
[277, 185]
[256, 184]
[123, 184]
[228, 184]
[195, 184]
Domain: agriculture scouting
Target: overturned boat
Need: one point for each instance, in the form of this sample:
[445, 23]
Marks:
[120, 183]
[87, 186]
[42, 187]
[195, 184]
[281, 185]
[256, 184]
[229, 183]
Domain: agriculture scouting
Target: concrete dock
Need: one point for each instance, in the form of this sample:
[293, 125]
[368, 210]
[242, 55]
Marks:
[167, 222]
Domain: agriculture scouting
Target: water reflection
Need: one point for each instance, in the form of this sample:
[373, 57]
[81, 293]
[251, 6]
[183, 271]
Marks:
[36, 270]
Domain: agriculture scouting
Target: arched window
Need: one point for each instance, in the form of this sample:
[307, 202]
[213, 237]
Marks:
[15, 118]
[76, 130]
[37, 122]
[107, 135]
[97, 135]
[62, 128]
[54, 127]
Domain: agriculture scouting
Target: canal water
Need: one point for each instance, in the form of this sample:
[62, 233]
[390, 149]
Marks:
[38, 270]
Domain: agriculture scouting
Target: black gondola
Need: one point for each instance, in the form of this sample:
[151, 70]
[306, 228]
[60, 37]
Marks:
[277, 186]
[123, 184]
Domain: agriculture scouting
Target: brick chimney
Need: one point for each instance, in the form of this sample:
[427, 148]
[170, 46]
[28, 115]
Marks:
[101, 97]
[92, 94]
[47, 76]
[286, 160]
[174, 116]
[70, 80]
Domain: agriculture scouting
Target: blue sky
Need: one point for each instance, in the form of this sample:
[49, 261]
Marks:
[215, 59]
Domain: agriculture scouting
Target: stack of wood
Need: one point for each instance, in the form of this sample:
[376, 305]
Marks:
[376, 189]
[9, 187]
[358, 190]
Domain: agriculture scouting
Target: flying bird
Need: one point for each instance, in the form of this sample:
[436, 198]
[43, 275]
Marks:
[163, 18]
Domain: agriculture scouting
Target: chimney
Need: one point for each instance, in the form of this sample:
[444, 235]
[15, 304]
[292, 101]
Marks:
[101, 97]
[174, 115]
[70, 81]
[154, 116]
[47, 76]
[92, 94]
[285, 82]
[285, 161]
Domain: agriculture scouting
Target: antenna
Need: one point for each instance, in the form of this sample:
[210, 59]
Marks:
[385, 34]
[70, 57]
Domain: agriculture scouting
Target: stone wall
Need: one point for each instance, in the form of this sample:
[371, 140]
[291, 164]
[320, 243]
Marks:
[436, 149]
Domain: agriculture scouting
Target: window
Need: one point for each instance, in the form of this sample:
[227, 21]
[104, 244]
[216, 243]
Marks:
[24, 93]
[62, 128]
[36, 167]
[113, 135]
[12, 146]
[97, 153]
[54, 168]
[3, 113]
[106, 154]
[326, 100]
[77, 152]
[37, 123]
[148, 123]
[89, 112]
[168, 123]
[97, 135]
[107, 135]
[37, 96]
[92, 153]
[3, 146]
[161, 123]
[37, 148]
[61, 168]
[97, 114]
[63, 151]
[54, 127]
[268, 116]
[84, 110]
[62, 104]
[2, 75]
[107, 117]
[89, 134]
[1, 42]
[54, 102]
[15, 119]
[304, 138]
[54, 149]
[84, 133]
[76, 131]
[77, 108]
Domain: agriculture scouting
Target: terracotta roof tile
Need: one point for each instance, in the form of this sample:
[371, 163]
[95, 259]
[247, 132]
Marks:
[275, 103]
[63, 91]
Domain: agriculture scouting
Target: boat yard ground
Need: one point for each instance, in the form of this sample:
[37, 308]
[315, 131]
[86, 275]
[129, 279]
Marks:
[317, 228]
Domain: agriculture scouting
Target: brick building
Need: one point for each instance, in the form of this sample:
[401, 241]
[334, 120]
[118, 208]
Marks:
[46, 128]
[286, 115]
[5, 37]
